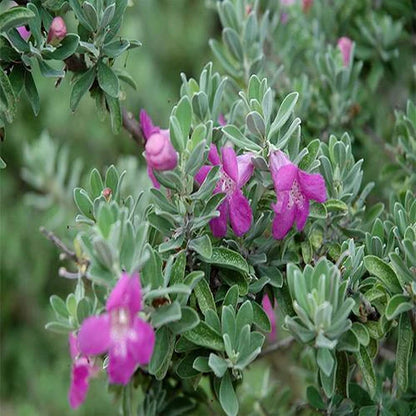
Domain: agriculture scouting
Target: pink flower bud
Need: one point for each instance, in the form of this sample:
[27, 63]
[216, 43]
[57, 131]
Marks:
[159, 151]
[23, 32]
[107, 192]
[345, 46]
[57, 31]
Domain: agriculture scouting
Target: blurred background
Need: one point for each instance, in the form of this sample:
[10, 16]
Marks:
[48, 155]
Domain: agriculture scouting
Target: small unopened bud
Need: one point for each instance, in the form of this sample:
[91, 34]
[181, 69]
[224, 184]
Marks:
[249, 9]
[57, 31]
[345, 46]
[159, 151]
[107, 192]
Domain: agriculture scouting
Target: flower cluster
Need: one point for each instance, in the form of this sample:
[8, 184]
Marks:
[294, 187]
[120, 332]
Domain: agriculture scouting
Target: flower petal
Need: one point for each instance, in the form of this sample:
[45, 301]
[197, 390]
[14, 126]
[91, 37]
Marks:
[142, 345]
[202, 173]
[152, 177]
[229, 162]
[241, 215]
[245, 168]
[284, 217]
[126, 294]
[301, 216]
[122, 363]
[283, 178]
[79, 383]
[94, 335]
[268, 308]
[147, 125]
[73, 345]
[312, 186]
[213, 155]
[219, 225]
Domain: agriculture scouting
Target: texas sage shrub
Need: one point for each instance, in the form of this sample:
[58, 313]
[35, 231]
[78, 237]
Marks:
[258, 233]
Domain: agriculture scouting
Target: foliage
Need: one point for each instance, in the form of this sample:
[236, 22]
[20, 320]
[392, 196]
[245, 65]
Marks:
[344, 285]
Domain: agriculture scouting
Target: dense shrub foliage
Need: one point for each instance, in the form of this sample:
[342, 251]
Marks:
[266, 261]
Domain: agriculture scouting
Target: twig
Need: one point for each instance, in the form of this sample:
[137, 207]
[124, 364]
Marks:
[52, 237]
[133, 127]
[279, 345]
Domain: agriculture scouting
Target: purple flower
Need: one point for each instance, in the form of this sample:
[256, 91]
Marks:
[57, 31]
[235, 172]
[128, 339]
[268, 308]
[159, 151]
[82, 370]
[294, 189]
[23, 32]
[345, 46]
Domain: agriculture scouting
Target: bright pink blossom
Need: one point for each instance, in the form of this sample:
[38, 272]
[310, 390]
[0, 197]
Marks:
[269, 309]
[57, 31]
[235, 173]
[82, 370]
[128, 339]
[294, 189]
[345, 46]
[23, 32]
[159, 151]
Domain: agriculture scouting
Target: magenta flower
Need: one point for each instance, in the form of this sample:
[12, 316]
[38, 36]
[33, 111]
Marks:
[235, 172]
[82, 370]
[345, 46]
[23, 32]
[268, 308]
[128, 339]
[159, 151]
[294, 189]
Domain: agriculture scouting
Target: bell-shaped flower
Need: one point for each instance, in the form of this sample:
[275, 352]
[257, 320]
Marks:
[269, 309]
[234, 174]
[345, 46]
[159, 151]
[294, 189]
[128, 339]
[57, 31]
[82, 370]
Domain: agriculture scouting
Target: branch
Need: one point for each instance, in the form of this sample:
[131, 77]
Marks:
[279, 345]
[52, 237]
[76, 63]
[133, 127]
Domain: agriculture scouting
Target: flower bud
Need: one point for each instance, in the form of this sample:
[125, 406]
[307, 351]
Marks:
[345, 46]
[159, 151]
[57, 31]
[23, 32]
[107, 192]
